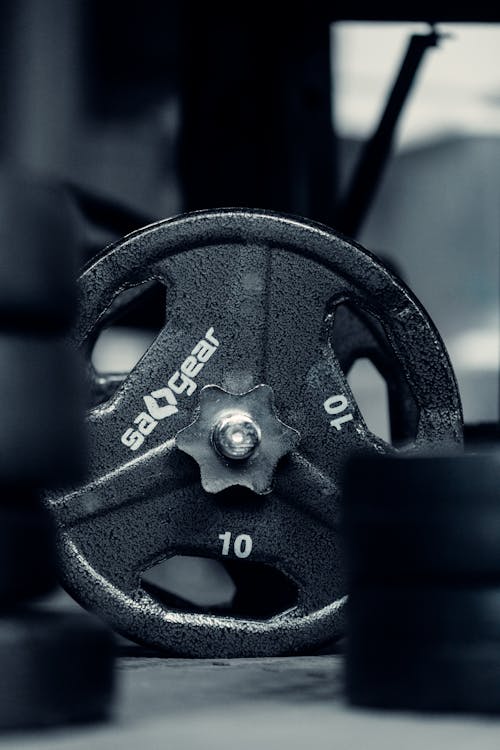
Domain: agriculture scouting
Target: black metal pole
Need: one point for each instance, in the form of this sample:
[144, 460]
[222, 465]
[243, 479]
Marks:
[354, 208]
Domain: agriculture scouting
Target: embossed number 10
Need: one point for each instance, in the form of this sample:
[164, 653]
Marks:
[242, 545]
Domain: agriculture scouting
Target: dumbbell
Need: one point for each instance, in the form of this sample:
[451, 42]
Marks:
[56, 667]
[40, 409]
[40, 423]
[423, 558]
[42, 397]
[228, 438]
[38, 264]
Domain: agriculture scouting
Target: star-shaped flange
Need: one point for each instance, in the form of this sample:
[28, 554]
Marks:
[237, 439]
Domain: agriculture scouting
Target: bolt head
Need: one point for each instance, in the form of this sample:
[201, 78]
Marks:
[237, 439]
[236, 435]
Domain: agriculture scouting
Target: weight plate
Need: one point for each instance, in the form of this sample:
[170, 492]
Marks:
[357, 335]
[436, 616]
[412, 676]
[414, 519]
[251, 301]
[57, 668]
[424, 648]
[41, 438]
[38, 245]
[27, 553]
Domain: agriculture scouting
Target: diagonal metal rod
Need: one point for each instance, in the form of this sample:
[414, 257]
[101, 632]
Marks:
[368, 172]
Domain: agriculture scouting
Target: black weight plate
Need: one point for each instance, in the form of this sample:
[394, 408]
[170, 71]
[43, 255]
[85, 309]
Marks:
[27, 552]
[412, 676]
[38, 246]
[422, 519]
[57, 668]
[41, 405]
[266, 288]
[439, 616]
[356, 336]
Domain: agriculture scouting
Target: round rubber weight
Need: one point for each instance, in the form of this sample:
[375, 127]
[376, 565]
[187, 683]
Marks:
[428, 649]
[57, 668]
[38, 262]
[413, 676]
[27, 553]
[410, 520]
[436, 616]
[41, 407]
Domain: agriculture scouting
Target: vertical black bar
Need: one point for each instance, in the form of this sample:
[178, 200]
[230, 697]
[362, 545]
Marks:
[256, 123]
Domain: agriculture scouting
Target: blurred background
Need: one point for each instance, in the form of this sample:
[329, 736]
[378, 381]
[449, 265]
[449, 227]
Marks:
[148, 109]
[164, 107]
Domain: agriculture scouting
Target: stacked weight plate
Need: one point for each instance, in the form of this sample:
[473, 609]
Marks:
[423, 546]
[56, 667]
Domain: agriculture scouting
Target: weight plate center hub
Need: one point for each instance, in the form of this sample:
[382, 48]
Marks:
[237, 439]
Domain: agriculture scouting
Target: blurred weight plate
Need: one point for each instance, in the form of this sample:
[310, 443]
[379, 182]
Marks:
[438, 616]
[37, 255]
[416, 676]
[57, 668]
[410, 519]
[27, 553]
[40, 411]
[427, 649]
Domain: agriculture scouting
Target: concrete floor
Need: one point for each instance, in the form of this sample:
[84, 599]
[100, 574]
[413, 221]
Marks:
[176, 704]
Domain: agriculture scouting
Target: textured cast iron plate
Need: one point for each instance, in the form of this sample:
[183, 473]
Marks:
[252, 296]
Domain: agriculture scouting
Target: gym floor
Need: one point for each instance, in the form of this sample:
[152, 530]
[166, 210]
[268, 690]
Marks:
[252, 703]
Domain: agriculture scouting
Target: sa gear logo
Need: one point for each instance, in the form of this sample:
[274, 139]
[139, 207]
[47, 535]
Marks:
[155, 409]
[162, 403]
